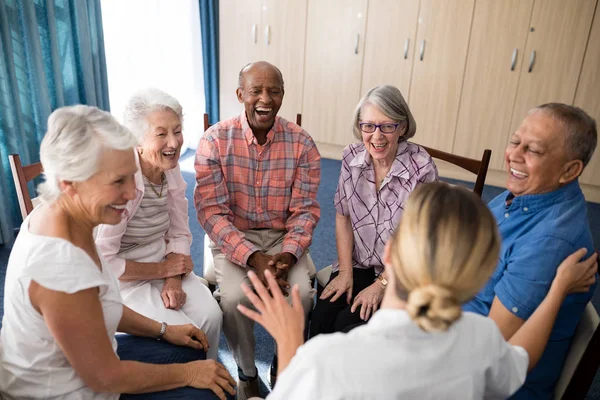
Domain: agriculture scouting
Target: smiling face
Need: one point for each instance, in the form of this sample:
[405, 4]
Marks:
[162, 141]
[103, 196]
[381, 146]
[536, 158]
[262, 95]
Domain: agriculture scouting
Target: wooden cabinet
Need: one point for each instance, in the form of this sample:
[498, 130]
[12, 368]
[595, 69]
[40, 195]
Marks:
[254, 30]
[390, 44]
[553, 55]
[438, 68]
[239, 24]
[494, 61]
[333, 69]
[588, 94]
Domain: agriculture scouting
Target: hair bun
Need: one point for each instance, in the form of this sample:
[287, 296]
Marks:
[433, 308]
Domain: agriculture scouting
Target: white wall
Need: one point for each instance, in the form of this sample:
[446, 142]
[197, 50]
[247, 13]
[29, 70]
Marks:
[156, 43]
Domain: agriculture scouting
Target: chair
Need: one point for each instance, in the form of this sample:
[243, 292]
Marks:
[478, 167]
[582, 359]
[208, 264]
[22, 175]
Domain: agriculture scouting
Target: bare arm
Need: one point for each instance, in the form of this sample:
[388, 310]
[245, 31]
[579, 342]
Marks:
[344, 241]
[173, 265]
[77, 323]
[506, 321]
[571, 277]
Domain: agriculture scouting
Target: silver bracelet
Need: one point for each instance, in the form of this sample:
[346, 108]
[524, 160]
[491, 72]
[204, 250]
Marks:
[163, 329]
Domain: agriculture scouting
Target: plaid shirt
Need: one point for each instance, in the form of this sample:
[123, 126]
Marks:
[241, 185]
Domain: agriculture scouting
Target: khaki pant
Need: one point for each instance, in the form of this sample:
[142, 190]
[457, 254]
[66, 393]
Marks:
[239, 330]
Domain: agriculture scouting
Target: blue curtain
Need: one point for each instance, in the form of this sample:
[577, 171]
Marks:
[209, 25]
[51, 55]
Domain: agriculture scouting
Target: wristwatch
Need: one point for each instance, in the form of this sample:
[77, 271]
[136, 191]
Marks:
[163, 329]
[382, 280]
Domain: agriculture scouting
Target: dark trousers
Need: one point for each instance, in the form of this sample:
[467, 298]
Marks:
[328, 317]
[152, 351]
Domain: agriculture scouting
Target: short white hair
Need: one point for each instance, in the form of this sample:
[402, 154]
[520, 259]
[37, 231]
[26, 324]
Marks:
[145, 102]
[71, 149]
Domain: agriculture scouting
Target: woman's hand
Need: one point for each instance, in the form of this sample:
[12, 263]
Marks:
[576, 277]
[172, 294]
[186, 335]
[210, 374]
[176, 264]
[275, 314]
[370, 298]
[343, 283]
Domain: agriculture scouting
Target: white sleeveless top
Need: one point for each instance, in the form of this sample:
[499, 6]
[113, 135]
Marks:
[32, 364]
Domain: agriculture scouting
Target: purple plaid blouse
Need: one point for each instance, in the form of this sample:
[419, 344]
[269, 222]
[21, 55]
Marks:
[375, 215]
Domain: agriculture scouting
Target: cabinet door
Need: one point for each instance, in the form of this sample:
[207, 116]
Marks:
[587, 96]
[283, 35]
[494, 60]
[334, 54]
[390, 44]
[439, 64]
[239, 44]
[554, 53]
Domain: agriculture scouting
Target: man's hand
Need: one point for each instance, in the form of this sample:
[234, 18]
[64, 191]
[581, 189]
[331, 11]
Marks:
[261, 262]
[172, 294]
[282, 263]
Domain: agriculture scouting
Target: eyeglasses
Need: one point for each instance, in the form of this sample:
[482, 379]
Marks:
[368, 127]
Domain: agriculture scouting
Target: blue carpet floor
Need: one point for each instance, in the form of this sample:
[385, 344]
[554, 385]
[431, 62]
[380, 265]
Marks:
[323, 252]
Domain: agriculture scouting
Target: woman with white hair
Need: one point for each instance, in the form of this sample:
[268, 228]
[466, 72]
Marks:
[62, 305]
[378, 174]
[420, 345]
[149, 250]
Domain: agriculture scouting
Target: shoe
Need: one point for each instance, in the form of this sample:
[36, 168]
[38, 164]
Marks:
[272, 376]
[247, 389]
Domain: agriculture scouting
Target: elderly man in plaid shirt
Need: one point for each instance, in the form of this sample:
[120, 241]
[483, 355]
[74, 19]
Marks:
[257, 179]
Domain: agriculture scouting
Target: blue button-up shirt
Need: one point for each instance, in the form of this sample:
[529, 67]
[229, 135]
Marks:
[538, 233]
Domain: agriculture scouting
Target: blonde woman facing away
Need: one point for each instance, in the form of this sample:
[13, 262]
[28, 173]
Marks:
[62, 305]
[420, 345]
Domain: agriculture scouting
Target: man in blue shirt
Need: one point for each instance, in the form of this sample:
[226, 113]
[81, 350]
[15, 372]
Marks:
[542, 219]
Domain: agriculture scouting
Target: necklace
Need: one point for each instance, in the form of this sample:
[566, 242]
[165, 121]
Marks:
[162, 183]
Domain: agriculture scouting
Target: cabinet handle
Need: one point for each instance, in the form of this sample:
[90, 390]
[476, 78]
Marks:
[531, 61]
[268, 35]
[254, 33]
[406, 48]
[513, 62]
[356, 44]
[422, 51]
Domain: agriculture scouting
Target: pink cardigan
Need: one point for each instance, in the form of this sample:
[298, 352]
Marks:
[178, 236]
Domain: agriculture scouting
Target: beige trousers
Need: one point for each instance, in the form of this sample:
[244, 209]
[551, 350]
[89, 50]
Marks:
[239, 330]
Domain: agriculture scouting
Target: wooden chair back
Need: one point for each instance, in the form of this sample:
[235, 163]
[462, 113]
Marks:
[21, 175]
[478, 167]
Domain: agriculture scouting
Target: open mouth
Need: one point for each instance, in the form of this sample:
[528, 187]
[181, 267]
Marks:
[169, 154]
[518, 174]
[379, 147]
[120, 208]
[263, 113]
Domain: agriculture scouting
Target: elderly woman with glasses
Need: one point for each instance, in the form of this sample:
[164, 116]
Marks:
[378, 174]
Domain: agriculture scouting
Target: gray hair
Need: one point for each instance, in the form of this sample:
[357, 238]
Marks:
[391, 103]
[145, 102]
[73, 144]
[581, 134]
